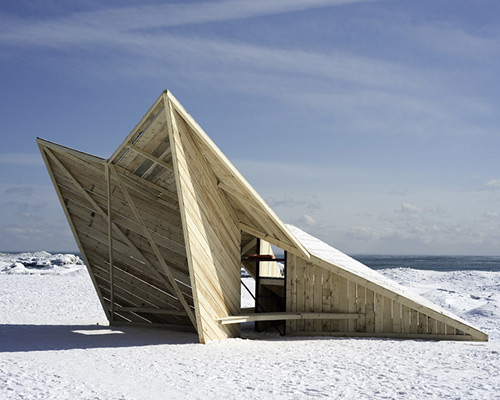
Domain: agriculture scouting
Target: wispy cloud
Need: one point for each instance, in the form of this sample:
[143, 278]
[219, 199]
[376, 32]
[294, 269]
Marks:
[104, 25]
[289, 201]
[26, 159]
[493, 183]
[20, 190]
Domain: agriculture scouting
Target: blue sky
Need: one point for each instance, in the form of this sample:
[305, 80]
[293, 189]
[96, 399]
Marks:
[373, 125]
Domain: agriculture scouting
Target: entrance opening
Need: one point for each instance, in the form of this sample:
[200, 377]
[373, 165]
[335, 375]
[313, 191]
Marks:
[263, 278]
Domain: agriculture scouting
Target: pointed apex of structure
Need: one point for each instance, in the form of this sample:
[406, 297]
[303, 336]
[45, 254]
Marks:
[166, 222]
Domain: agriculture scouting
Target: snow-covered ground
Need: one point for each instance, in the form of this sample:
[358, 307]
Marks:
[55, 344]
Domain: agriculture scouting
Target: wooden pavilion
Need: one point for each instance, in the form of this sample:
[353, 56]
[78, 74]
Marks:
[165, 224]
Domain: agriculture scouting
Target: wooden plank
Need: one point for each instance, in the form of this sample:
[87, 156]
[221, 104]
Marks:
[153, 311]
[300, 267]
[327, 298]
[351, 304]
[379, 312]
[308, 294]
[396, 317]
[166, 156]
[156, 160]
[440, 328]
[413, 321]
[432, 326]
[42, 143]
[405, 319]
[292, 276]
[343, 308]
[249, 246]
[389, 335]
[361, 307]
[318, 295]
[370, 311]
[422, 323]
[387, 317]
[282, 316]
[160, 258]
[110, 244]
[336, 300]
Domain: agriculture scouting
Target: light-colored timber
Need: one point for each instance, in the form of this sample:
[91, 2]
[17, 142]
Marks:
[281, 316]
[166, 223]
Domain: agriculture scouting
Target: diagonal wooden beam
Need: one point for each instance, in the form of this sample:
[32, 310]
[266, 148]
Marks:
[249, 245]
[162, 156]
[144, 182]
[267, 238]
[137, 253]
[156, 160]
[141, 126]
[110, 244]
[155, 248]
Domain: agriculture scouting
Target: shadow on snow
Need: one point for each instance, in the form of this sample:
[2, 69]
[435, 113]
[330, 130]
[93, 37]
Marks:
[17, 338]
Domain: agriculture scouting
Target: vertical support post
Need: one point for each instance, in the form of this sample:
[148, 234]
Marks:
[257, 278]
[110, 246]
[284, 288]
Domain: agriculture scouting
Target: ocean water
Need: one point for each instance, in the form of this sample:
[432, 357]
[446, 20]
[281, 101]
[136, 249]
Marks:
[436, 263]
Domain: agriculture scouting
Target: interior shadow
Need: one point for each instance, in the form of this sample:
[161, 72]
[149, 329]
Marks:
[16, 338]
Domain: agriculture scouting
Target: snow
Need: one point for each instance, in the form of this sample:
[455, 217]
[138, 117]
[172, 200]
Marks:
[39, 263]
[55, 344]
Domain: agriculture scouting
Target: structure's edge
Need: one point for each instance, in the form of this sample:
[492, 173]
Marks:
[420, 336]
[65, 149]
[48, 145]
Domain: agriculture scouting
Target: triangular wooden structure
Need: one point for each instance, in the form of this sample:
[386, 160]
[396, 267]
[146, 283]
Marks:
[176, 221]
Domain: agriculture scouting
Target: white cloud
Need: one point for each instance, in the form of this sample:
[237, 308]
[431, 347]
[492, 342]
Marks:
[289, 201]
[304, 222]
[20, 190]
[410, 208]
[493, 183]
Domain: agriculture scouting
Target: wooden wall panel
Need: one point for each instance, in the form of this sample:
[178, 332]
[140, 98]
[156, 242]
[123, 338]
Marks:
[211, 234]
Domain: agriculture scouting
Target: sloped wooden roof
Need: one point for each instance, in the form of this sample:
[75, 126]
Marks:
[334, 260]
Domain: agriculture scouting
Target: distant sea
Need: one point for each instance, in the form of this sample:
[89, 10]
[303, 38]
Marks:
[436, 263]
